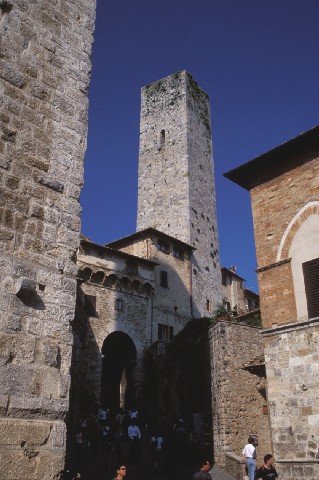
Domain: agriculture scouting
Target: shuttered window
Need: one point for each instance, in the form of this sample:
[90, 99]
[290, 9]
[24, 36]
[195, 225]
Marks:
[311, 277]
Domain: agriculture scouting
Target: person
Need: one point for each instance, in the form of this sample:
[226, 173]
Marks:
[267, 470]
[134, 435]
[203, 473]
[157, 450]
[249, 454]
[120, 472]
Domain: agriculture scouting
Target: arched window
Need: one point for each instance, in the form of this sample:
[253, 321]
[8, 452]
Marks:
[304, 252]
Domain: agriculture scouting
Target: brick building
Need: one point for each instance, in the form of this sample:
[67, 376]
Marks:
[284, 189]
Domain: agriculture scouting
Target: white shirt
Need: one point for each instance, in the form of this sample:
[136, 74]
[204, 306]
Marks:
[133, 431]
[249, 450]
[158, 441]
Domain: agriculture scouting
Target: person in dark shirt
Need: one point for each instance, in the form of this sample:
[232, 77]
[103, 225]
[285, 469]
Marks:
[267, 471]
[203, 474]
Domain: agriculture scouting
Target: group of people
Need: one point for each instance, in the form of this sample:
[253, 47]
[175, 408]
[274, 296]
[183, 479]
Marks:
[266, 471]
[108, 438]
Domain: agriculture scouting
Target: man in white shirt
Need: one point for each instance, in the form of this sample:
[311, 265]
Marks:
[134, 434]
[249, 454]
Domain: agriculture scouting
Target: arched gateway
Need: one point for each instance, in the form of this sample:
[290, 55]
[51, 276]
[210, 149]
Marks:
[118, 363]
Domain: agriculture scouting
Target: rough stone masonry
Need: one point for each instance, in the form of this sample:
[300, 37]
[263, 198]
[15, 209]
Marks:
[44, 69]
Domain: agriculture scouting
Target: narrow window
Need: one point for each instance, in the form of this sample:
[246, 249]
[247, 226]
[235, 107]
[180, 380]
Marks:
[208, 305]
[162, 138]
[175, 309]
[164, 279]
[119, 304]
[311, 278]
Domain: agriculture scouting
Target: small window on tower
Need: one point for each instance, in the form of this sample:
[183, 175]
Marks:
[162, 138]
[164, 279]
[208, 305]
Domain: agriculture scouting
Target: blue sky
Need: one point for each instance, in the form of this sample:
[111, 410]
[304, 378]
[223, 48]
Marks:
[258, 62]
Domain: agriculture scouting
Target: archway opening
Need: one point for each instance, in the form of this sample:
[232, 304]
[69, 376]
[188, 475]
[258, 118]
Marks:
[117, 382]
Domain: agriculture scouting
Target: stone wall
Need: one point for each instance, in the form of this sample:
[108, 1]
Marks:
[44, 70]
[176, 183]
[292, 361]
[238, 389]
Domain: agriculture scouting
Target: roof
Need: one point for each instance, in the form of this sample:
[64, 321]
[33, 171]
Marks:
[250, 292]
[121, 242]
[231, 272]
[275, 162]
[113, 251]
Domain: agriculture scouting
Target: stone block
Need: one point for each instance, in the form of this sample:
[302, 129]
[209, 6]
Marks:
[24, 434]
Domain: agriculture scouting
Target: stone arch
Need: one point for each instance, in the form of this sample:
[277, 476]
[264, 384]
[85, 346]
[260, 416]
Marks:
[303, 248]
[85, 273]
[117, 380]
[311, 208]
[97, 277]
[110, 280]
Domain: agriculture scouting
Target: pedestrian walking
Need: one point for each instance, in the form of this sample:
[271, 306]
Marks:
[249, 454]
[203, 473]
[134, 435]
[157, 443]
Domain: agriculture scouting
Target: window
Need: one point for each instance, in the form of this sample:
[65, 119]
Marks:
[164, 279]
[311, 278]
[208, 305]
[175, 309]
[227, 305]
[162, 138]
[119, 304]
[165, 332]
[163, 246]
[90, 305]
[178, 252]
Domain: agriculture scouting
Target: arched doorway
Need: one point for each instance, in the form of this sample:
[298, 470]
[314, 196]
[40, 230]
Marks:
[119, 360]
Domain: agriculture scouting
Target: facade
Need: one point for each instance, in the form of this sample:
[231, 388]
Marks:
[284, 187]
[236, 297]
[239, 399]
[176, 192]
[45, 66]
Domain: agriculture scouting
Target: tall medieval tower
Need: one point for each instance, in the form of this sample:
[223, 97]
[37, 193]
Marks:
[176, 190]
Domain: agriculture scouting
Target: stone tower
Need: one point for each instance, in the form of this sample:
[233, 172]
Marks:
[176, 191]
[44, 76]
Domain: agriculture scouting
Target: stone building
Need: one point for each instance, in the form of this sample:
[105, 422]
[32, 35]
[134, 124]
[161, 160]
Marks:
[284, 186]
[44, 70]
[236, 297]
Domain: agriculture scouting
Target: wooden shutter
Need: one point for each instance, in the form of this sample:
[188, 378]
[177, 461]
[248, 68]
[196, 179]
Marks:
[311, 278]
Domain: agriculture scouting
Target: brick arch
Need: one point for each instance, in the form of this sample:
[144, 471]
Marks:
[311, 208]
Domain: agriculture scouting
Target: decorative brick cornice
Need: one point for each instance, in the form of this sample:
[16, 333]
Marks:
[273, 265]
[289, 327]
